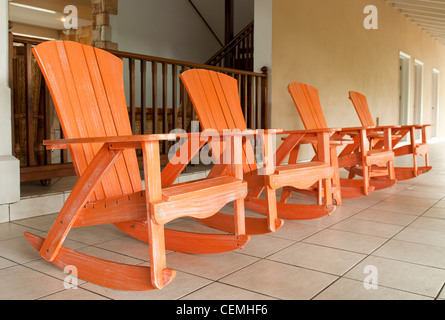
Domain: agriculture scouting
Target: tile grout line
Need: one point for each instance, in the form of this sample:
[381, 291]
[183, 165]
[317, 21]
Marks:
[440, 291]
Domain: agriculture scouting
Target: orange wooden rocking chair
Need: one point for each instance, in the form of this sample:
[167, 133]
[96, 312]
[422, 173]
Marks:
[398, 133]
[216, 102]
[357, 156]
[86, 85]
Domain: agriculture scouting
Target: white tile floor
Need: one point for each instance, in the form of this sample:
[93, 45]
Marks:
[399, 233]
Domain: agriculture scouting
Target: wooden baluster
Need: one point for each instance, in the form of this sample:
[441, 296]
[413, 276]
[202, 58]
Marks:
[257, 102]
[143, 97]
[164, 105]
[238, 79]
[264, 111]
[244, 97]
[239, 57]
[192, 110]
[154, 76]
[183, 94]
[251, 103]
[174, 96]
[244, 48]
[247, 56]
[132, 96]
[251, 51]
[29, 106]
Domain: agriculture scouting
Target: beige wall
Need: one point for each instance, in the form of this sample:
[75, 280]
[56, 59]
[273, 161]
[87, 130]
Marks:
[324, 43]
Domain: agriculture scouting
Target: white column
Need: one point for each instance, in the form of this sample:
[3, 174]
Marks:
[9, 165]
[263, 34]
[263, 41]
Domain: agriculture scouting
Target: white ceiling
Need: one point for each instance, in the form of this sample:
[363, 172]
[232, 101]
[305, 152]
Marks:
[428, 14]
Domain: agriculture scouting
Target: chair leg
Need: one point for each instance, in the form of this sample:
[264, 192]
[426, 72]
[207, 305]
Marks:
[240, 222]
[153, 192]
[416, 167]
[391, 170]
[414, 149]
[336, 178]
[272, 216]
[321, 191]
[366, 179]
[157, 253]
[293, 159]
[327, 192]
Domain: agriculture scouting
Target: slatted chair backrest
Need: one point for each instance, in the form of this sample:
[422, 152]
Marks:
[216, 100]
[361, 107]
[86, 85]
[307, 101]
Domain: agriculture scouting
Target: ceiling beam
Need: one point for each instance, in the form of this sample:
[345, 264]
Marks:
[429, 15]
[83, 11]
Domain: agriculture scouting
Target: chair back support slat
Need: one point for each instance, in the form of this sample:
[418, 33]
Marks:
[111, 69]
[216, 100]
[361, 107]
[307, 101]
[86, 85]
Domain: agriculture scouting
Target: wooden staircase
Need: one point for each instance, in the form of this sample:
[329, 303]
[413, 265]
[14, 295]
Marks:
[238, 53]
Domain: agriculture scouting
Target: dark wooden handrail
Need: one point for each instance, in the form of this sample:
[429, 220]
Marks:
[156, 98]
[123, 54]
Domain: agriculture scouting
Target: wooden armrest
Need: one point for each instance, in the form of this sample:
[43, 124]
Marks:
[369, 129]
[416, 126]
[388, 127]
[64, 143]
[310, 131]
[332, 141]
[134, 141]
[355, 129]
[251, 133]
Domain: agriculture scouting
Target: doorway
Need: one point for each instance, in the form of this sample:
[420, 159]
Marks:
[404, 88]
[418, 95]
[418, 92]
